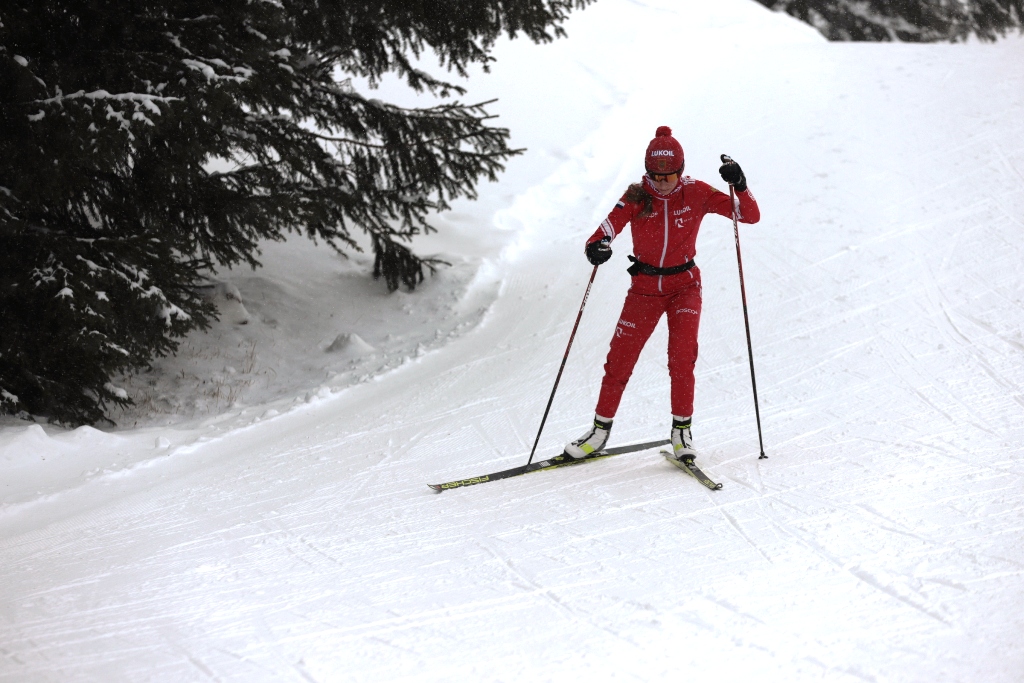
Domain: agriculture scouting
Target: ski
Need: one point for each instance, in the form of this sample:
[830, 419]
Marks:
[693, 471]
[562, 460]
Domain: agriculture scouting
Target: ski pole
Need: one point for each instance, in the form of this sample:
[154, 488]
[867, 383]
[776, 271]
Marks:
[564, 358]
[746, 318]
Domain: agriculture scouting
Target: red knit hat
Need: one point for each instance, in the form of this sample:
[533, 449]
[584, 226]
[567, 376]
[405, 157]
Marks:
[664, 154]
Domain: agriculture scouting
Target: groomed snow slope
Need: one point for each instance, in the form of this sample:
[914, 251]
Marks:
[882, 540]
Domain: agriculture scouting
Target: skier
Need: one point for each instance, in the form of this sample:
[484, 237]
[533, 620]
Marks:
[665, 211]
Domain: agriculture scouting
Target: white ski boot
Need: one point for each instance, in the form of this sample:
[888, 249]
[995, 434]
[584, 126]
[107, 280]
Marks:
[682, 439]
[591, 442]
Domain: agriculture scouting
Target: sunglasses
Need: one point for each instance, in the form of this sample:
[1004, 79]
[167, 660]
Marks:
[662, 177]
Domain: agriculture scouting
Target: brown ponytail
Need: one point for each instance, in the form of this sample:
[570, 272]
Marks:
[636, 194]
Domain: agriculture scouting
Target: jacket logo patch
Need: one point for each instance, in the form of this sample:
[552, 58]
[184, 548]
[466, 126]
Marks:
[679, 211]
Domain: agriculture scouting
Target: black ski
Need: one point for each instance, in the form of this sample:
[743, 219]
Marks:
[562, 460]
[692, 470]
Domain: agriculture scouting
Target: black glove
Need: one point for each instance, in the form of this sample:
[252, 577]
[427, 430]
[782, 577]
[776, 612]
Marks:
[598, 252]
[733, 174]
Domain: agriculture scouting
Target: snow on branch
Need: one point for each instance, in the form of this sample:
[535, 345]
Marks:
[116, 390]
[211, 74]
[892, 25]
[146, 100]
[171, 311]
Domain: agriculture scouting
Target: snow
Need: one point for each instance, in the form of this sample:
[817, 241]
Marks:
[292, 537]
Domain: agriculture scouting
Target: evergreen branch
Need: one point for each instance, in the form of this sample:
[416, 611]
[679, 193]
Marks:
[347, 140]
[104, 249]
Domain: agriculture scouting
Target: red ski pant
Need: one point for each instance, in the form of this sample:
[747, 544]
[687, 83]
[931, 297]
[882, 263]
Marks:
[640, 315]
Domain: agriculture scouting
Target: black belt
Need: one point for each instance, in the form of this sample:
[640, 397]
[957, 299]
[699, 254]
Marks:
[641, 268]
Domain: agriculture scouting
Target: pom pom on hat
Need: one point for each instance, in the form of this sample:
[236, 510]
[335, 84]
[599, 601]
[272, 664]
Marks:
[664, 154]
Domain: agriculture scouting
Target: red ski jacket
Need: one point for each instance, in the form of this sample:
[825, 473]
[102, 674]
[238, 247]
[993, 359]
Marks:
[665, 227]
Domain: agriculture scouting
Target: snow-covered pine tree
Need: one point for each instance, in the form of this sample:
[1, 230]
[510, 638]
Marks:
[917, 21]
[145, 142]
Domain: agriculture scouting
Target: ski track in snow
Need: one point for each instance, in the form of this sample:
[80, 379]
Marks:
[881, 540]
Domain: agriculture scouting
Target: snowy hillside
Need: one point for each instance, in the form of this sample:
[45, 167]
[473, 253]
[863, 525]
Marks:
[282, 530]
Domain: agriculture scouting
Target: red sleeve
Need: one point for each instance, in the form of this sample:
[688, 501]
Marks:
[611, 226]
[718, 202]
